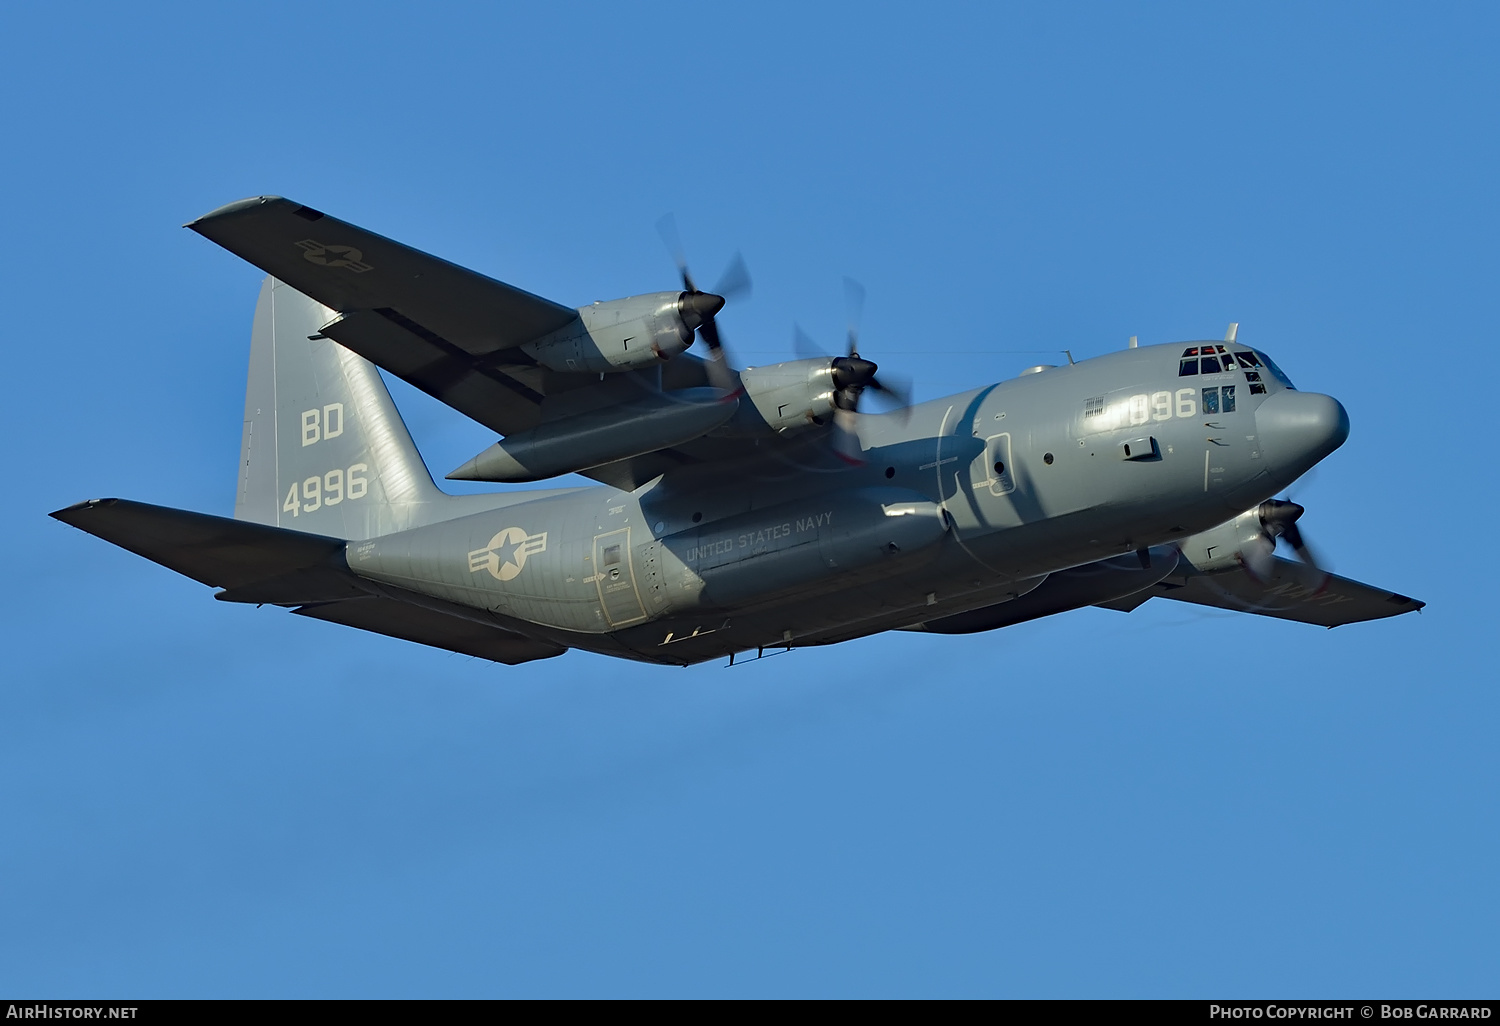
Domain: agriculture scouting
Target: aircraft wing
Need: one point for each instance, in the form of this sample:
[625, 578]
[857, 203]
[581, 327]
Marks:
[347, 268]
[261, 564]
[450, 331]
[1291, 591]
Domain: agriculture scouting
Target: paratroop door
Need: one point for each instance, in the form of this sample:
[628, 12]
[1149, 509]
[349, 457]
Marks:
[615, 576]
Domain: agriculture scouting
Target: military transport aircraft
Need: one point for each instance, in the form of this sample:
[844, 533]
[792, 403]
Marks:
[738, 511]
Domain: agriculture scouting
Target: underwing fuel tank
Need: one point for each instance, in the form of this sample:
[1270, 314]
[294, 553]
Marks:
[585, 440]
[832, 538]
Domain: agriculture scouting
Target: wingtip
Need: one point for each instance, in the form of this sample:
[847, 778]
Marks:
[67, 512]
[238, 206]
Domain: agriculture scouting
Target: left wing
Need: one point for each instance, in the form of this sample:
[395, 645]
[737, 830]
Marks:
[1290, 591]
[348, 268]
[450, 331]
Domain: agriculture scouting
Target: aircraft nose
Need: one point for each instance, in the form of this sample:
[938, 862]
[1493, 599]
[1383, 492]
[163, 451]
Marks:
[1297, 429]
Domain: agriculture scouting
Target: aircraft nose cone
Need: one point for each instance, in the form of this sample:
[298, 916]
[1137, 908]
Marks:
[1297, 429]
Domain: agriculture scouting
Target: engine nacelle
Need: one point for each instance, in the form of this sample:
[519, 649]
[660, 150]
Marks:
[618, 335]
[785, 396]
[1242, 541]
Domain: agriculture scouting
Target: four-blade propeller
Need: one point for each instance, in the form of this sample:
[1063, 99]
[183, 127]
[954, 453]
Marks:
[1278, 519]
[852, 375]
[698, 309]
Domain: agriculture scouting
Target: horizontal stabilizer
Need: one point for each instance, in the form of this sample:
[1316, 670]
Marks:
[1290, 591]
[426, 626]
[263, 564]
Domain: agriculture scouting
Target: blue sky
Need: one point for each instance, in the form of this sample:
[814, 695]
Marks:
[201, 799]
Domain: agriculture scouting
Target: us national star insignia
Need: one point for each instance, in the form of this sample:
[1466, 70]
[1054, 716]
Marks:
[334, 256]
[507, 553]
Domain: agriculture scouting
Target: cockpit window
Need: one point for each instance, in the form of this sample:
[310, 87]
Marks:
[1276, 372]
[1214, 359]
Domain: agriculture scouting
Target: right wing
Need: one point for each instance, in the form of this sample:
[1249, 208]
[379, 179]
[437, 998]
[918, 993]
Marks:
[1291, 591]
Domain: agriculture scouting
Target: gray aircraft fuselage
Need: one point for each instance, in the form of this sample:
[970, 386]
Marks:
[962, 503]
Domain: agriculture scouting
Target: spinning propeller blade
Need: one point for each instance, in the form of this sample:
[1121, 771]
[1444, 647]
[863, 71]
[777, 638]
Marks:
[852, 375]
[1279, 519]
[699, 309]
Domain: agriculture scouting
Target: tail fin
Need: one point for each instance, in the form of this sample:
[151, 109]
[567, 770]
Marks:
[324, 449]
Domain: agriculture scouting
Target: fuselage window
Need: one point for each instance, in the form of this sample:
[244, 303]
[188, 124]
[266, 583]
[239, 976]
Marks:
[1247, 361]
[611, 555]
[1227, 395]
[1210, 365]
[1187, 367]
[1190, 351]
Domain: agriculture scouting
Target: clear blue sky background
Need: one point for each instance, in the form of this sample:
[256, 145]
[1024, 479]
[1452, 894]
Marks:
[202, 799]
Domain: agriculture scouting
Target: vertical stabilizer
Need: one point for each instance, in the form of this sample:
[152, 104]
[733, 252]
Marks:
[323, 448]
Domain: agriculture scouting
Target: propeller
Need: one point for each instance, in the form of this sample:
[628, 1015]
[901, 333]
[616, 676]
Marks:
[852, 376]
[1278, 518]
[698, 309]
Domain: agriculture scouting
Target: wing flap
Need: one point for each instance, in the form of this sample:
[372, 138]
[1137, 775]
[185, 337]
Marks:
[482, 392]
[346, 268]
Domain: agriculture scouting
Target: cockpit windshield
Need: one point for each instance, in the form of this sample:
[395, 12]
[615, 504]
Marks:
[1213, 358]
[1276, 372]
